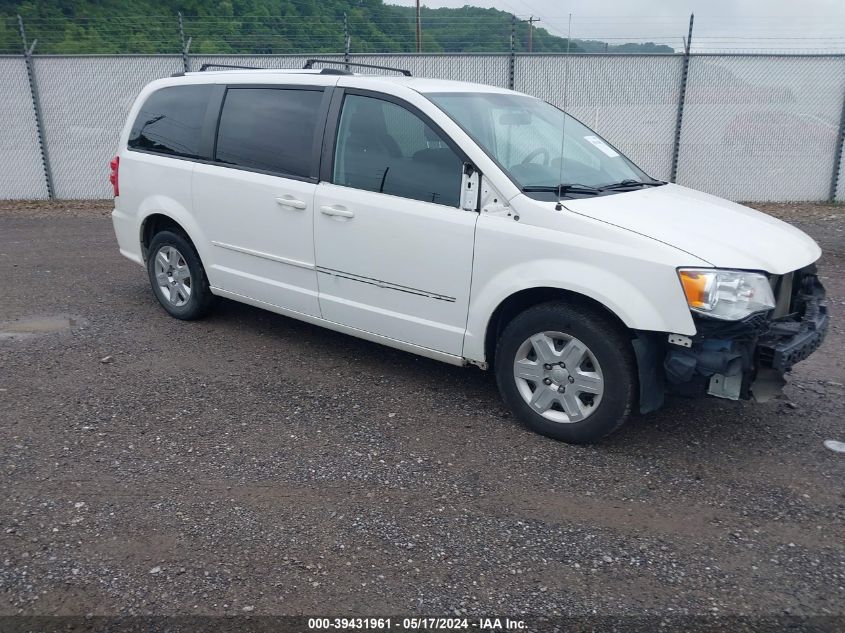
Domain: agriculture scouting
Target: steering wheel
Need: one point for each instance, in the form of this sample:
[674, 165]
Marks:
[540, 151]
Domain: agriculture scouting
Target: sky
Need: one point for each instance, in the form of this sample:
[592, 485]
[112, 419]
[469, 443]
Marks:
[720, 25]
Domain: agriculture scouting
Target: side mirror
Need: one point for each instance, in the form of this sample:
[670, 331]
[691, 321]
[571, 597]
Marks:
[470, 184]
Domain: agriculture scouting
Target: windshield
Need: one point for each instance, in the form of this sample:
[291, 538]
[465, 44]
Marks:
[539, 146]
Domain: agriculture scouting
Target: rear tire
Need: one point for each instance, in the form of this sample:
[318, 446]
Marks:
[177, 276]
[567, 372]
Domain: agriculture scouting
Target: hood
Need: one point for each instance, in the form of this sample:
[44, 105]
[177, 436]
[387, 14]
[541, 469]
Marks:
[723, 233]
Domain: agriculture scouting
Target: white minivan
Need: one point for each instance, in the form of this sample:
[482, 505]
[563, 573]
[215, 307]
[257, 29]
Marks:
[466, 223]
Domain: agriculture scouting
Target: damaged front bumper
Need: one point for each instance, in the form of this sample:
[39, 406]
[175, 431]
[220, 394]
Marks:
[738, 359]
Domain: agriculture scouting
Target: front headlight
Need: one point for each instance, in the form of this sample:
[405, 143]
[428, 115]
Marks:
[726, 294]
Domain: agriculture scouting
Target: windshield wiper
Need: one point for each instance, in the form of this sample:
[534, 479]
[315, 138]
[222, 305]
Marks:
[563, 189]
[627, 184]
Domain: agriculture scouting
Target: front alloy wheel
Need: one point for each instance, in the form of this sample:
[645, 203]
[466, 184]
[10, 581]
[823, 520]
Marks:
[558, 377]
[567, 370]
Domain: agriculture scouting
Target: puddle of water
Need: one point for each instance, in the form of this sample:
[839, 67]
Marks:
[25, 328]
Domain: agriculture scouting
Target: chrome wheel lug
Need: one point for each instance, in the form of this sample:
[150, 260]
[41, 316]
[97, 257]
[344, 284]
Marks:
[547, 381]
[571, 379]
[562, 364]
[547, 367]
[561, 389]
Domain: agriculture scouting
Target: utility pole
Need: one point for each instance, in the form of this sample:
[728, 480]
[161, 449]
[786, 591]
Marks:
[419, 29]
[531, 22]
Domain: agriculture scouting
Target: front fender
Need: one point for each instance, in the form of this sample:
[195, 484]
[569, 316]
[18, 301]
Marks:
[655, 303]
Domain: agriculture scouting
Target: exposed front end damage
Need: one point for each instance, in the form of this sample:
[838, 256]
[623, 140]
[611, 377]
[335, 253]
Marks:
[738, 359]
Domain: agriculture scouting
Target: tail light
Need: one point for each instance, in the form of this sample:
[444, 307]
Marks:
[114, 165]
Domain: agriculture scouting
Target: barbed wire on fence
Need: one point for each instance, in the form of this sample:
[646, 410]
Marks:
[394, 33]
[704, 108]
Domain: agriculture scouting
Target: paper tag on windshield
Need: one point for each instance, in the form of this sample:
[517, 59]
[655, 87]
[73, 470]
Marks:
[604, 147]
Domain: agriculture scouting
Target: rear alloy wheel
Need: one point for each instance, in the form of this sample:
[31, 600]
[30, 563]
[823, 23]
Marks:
[172, 275]
[566, 371]
[178, 277]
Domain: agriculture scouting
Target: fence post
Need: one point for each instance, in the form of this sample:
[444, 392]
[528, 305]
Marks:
[36, 106]
[186, 60]
[512, 61]
[837, 155]
[679, 121]
[346, 41]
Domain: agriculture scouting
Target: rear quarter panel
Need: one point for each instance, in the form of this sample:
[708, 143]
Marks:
[150, 184]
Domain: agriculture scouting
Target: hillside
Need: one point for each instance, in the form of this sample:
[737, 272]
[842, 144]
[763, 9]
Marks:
[271, 26]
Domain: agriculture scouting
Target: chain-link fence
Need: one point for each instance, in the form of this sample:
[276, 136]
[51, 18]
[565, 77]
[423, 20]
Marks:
[630, 100]
[771, 122]
[751, 127]
[21, 167]
[84, 101]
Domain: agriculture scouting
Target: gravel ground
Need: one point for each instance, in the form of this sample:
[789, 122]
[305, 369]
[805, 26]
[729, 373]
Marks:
[249, 463]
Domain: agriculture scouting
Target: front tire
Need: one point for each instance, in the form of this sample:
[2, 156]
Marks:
[177, 276]
[566, 371]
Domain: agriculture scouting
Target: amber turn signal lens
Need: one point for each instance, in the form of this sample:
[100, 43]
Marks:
[726, 294]
[695, 288]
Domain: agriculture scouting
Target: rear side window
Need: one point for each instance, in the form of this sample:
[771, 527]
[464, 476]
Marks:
[269, 129]
[170, 121]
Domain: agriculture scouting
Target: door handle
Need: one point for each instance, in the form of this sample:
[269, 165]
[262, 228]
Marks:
[290, 201]
[337, 211]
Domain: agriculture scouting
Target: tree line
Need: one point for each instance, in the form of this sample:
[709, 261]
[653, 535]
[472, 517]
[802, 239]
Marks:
[273, 27]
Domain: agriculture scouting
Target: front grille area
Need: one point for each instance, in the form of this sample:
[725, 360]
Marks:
[775, 339]
[799, 328]
[748, 328]
[782, 289]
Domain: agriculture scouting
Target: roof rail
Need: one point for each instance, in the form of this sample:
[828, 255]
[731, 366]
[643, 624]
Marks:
[310, 63]
[205, 67]
[324, 71]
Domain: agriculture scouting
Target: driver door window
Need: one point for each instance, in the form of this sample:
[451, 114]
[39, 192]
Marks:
[383, 147]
